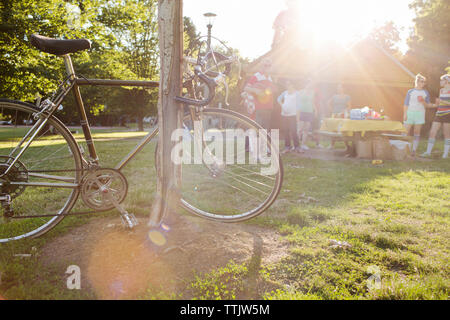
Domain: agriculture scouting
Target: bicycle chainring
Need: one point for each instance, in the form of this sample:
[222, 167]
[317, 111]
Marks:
[99, 185]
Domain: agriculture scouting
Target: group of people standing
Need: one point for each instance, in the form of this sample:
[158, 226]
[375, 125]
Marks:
[299, 107]
[300, 111]
[416, 102]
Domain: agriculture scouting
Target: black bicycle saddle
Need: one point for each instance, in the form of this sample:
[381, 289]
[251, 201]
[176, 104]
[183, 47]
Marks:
[59, 47]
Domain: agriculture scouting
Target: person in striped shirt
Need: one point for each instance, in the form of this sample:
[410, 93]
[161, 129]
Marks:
[442, 118]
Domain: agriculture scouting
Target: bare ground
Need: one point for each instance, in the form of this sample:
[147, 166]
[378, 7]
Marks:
[119, 264]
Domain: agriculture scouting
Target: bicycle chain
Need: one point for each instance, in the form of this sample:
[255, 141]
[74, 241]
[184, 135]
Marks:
[55, 215]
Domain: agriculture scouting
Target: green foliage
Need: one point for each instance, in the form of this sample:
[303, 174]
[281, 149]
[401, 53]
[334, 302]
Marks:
[124, 37]
[430, 42]
[388, 36]
[224, 283]
[23, 70]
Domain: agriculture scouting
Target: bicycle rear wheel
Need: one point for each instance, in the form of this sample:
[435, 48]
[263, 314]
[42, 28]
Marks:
[228, 180]
[45, 179]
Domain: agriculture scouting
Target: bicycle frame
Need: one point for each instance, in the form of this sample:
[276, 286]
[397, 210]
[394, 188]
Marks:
[77, 82]
[72, 83]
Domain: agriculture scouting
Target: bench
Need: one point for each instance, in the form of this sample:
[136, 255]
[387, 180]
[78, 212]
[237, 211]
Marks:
[397, 137]
[335, 136]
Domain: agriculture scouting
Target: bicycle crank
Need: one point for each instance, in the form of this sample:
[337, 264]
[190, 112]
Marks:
[105, 189]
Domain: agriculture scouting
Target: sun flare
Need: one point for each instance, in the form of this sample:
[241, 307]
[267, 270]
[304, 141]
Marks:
[338, 21]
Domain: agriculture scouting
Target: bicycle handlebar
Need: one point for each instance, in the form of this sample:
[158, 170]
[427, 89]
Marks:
[210, 83]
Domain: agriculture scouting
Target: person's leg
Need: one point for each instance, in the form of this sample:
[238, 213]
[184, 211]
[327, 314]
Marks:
[285, 123]
[300, 126]
[417, 129]
[305, 134]
[432, 138]
[265, 122]
[332, 143]
[293, 131]
[447, 140]
[315, 127]
[408, 128]
[348, 147]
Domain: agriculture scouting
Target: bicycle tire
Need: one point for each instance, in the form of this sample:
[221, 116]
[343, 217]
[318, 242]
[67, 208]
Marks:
[231, 215]
[63, 153]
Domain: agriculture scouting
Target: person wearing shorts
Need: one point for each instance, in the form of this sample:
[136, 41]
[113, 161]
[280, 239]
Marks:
[288, 101]
[416, 101]
[306, 110]
[442, 118]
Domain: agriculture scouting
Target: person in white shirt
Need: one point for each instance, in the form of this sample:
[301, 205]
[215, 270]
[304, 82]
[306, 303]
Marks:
[288, 101]
[416, 101]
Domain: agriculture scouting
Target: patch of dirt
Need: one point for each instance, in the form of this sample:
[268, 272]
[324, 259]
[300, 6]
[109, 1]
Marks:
[120, 264]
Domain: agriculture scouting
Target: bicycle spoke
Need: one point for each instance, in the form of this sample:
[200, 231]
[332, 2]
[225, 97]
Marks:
[254, 172]
[222, 190]
[248, 179]
[34, 183]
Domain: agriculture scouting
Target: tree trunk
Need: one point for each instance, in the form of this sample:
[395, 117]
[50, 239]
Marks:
[170, 23]
[140, 123]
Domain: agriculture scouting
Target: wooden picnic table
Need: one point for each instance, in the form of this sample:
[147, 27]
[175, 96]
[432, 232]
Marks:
[349, 127]
[357, 130]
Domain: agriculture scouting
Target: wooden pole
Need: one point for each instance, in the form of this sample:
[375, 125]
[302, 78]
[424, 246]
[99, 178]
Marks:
[170, 23]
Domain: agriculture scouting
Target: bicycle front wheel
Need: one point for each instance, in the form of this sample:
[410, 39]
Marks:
[231, 170]
[44, 180]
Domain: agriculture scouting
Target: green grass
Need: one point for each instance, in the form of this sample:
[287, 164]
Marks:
[395, 217]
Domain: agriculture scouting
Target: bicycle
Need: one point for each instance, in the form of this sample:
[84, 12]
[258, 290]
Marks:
[43, 175]
[214, 64]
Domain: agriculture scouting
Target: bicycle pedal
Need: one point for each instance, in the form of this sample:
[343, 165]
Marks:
[129, 220]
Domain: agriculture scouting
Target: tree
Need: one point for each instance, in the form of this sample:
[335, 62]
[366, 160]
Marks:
[124, 37]
[388, 36]
[169, 112]
[135, 24]
[191, 37]
[21, 76]
[124, 46]
[429, 43]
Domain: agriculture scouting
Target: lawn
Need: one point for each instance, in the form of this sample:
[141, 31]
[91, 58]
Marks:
[355, 231]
